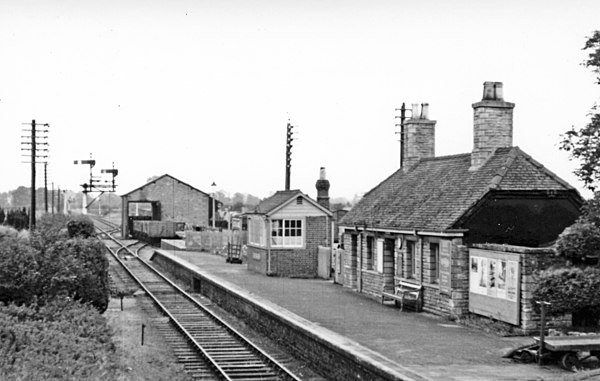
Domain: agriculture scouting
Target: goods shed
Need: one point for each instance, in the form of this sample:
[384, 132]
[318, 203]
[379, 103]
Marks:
[166, 198]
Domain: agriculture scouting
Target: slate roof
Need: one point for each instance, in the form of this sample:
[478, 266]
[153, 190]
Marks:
[276, 200]
[280, 198]
[159, 179]
[436, 192]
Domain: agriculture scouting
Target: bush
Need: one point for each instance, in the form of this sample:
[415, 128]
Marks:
[571, 290]
[60, 340]
[78, 268]
[8, 232]
[19, 276]
[579, 242]
[81, 226]
[50, 228]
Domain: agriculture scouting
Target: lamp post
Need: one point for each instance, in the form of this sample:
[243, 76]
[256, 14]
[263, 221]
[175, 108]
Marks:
[213, 187]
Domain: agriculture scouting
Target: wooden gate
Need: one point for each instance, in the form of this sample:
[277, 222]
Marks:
[324, 262]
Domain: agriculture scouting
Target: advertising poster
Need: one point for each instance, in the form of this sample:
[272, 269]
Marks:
[483, 273]
[493, 277]
[511, 280]
[474, 274]
[445, 266]
[491, 283]
[501, 279]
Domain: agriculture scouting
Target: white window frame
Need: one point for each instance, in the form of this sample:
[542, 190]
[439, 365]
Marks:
[289, 232]
[257, 231]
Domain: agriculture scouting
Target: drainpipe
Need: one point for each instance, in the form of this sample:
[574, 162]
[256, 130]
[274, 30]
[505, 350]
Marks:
[269, 229]
[360, 260]
[420, 240]
[332, 265]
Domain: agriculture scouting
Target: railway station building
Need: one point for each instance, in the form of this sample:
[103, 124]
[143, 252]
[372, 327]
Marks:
[290, 234]
[166, 198]
[420, 225]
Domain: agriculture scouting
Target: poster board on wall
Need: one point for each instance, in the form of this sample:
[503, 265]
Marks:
[445, 267]
[494, 284]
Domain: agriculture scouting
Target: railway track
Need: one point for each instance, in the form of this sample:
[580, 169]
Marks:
[209, 348]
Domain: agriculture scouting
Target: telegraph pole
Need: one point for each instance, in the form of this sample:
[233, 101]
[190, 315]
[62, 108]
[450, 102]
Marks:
[46, 187]
[34, 155]
[32, 209]
[402, 118]
[288, 155]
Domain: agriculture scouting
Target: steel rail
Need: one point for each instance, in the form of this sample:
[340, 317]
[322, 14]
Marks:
[279, 368]
[164, 310]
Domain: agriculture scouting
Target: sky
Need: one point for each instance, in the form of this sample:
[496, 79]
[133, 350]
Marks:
[203, 90]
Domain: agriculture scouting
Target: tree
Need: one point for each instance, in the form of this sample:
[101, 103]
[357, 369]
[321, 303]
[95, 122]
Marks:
[584, 144]
[579, 242]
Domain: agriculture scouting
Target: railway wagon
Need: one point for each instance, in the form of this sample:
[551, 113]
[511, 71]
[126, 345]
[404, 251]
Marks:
[153, 231]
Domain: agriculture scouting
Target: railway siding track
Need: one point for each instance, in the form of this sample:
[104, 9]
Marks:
[208, 347]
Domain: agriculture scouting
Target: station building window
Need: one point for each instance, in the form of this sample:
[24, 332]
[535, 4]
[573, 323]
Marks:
[434, 262]
[399, 260]
[411, 259]
[370, 252]
[287, 232]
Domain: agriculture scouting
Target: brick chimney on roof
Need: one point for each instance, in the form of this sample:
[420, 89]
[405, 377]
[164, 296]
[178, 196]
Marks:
[419, 136]
[492, 124]
[323, 189]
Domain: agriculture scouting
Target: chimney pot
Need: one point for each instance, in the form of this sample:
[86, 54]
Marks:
[492, 91]
[488, 90]
[322, 175]
[415, 111]
[425, 111]
[498, 92]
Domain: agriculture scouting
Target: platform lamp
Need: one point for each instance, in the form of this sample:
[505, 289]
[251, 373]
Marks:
[213, 187]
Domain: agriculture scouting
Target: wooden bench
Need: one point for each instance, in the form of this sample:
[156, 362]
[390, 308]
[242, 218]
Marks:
[403, 292]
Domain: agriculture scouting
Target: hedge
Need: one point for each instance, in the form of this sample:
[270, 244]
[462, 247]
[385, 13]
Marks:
[19, 276]
[50, 228]
[61, 340]
[81, 226]
[78, 268]
[49, 265]
[571, 290]
[579, 242]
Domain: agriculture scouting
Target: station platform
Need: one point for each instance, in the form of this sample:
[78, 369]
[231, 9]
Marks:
[420, 345]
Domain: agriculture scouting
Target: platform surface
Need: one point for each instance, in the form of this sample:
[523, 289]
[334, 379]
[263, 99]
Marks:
[430, 346]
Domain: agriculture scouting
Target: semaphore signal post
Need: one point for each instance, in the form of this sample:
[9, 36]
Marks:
[97, 183]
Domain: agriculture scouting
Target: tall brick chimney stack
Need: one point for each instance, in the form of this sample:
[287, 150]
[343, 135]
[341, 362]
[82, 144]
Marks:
[323, 189]
[419, 137]
[492, 124]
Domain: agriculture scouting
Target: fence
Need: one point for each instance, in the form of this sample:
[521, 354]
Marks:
[213, 241]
